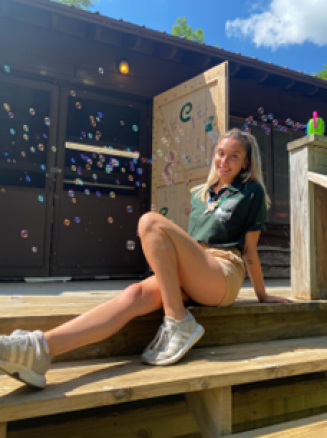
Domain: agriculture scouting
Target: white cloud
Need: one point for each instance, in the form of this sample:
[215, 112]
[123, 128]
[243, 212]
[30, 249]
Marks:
[284, 22]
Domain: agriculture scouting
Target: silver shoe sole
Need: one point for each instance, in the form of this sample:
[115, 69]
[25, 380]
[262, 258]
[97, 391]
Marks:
[23, 374]
[192, 340]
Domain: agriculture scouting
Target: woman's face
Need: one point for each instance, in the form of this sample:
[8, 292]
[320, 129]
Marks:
[229, 159]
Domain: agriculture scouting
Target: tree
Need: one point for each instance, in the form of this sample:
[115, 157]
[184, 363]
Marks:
[323, 73]
[80, 4]
[182, 29]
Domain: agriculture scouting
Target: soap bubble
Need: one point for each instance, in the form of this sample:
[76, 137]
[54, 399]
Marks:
[44, 135]
[137, 183]
[71, 193]
[112, 195]
[130, 245]
[12, 131]
[40, 147]
[288, 122]
[110, 220]
[203, 148]
[100, 115]
[78, 105]
[94, 176]
[34, 249]
[73, 167]
[6, 68]
[83, 134]
[87, 192]
[123, 170]
[32, 111]
[98, 194]
[270, 116]
[275, 122]
[160, 152]
[43, 167]
[90, 135]
[40, 198]
[261, 110]
[73, 93]
[268, 131]
[47, 121]
[122, 123]
[77, 220]
[79, 182]
[264, 118]
[101, 70]
[129, 209]
[135, 128]
[117, 181]
[139, 171]
[11, 115]
[32, 149]
[6, 107]
[26, 128]
[25, 137]
[66, 222]
[24, 234]
[131, 178]
[53, 148]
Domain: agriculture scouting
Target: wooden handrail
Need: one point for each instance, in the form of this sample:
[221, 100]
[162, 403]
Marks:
[318, 178]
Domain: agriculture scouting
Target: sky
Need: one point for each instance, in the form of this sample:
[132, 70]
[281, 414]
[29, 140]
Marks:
[291, 33]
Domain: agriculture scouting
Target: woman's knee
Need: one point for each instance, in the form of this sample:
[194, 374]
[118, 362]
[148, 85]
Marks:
[141, 300]
[148, 222]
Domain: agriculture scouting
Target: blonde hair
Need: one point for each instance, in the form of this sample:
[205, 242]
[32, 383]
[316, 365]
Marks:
[252, 173]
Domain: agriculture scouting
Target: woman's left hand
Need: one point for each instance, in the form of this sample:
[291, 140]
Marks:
[274, 299]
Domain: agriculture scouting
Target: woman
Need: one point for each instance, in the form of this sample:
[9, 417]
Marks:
[206, 266]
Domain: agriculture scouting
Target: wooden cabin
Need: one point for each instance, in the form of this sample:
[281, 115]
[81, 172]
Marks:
[76, 136]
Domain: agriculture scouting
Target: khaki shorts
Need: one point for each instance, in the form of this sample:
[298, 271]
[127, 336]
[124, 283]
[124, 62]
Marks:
[233, 267]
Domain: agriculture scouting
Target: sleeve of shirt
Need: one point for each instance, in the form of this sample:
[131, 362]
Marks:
[257, 211]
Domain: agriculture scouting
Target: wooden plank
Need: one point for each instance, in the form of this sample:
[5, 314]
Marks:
[313, 427]
[164, 419]
[318, 178]
[320, 215]
[212, 409]
[3, 430]
[87, 384]
[301, 233]
[262, 404]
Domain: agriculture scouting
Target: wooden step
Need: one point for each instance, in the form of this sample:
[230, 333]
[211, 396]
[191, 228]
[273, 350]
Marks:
[245, 321]
[88, 384]
[312, 427]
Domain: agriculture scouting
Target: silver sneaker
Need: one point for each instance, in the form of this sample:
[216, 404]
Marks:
[173, 340]
[25, 356]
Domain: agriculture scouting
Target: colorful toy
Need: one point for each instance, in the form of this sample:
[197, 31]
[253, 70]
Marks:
[316, 125]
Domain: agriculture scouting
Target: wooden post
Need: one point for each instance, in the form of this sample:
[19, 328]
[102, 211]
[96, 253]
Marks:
[212, 409]
[3, 430]
[308, 157]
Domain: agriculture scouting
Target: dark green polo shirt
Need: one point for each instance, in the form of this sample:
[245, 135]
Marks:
[226, 226]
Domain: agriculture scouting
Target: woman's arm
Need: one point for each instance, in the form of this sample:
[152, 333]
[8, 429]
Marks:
[252, 261]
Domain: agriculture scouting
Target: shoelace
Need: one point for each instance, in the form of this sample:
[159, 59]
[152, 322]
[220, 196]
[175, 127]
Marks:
[159, 339]
[30, 338]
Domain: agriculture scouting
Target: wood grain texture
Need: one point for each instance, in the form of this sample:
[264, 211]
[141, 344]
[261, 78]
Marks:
[212, 409]
[320, 215]
[87, 384]
[159, 420]
[3, 430]
[318, 178]
[313, 427]
[262, 404]
[301, 235]
[308, 170]
[187, 122]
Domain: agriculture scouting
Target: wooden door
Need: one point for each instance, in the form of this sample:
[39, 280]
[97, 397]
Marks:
[187, 122]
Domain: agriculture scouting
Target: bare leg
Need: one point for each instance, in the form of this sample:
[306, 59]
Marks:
[107, 318]
[178, 261]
